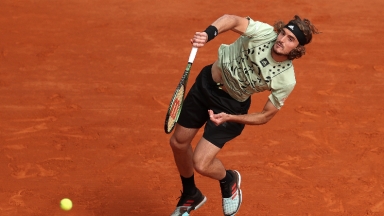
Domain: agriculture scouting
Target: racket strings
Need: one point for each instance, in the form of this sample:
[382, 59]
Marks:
[175, 108]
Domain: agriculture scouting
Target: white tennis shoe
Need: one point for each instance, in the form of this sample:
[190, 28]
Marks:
[232, 195]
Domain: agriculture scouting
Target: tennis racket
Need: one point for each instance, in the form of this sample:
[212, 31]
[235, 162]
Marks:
[176, 103]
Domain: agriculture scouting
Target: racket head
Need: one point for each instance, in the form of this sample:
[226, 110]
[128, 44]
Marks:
[177, 100]
[174, 108]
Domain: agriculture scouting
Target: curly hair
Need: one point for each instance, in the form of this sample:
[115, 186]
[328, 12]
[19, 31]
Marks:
[306, 27]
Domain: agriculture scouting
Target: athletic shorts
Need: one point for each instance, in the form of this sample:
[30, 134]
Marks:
[204, 95]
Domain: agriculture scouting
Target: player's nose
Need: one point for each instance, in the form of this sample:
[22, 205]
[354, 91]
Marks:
[285, 38]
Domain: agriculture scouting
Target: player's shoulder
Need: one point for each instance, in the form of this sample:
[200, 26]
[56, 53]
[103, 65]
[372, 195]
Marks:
[258, 28]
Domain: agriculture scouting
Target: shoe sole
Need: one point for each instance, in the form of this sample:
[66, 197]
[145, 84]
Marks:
[196, 207]
[240, 192]
[201, 203]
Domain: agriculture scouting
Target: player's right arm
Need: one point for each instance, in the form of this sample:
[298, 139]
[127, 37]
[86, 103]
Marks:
[231, 22]
[222, 24]
[257, 118]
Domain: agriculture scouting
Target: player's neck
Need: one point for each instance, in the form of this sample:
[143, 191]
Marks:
[277, 56]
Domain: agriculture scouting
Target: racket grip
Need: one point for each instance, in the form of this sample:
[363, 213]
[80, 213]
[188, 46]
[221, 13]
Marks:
[192, 55]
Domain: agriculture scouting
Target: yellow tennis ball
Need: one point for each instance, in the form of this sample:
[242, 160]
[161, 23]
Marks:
[66, 204]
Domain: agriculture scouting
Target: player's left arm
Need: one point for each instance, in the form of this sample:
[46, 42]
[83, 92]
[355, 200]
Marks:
[257, 118]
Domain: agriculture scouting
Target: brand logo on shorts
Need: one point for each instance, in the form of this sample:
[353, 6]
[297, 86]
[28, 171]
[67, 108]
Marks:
[264, 62]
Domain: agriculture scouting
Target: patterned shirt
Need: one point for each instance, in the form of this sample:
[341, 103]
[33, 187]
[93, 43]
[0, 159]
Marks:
[247, 66]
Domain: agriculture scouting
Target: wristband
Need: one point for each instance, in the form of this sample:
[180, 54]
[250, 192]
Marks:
[212, 32]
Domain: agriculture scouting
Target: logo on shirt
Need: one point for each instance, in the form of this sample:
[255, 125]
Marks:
[264, 62]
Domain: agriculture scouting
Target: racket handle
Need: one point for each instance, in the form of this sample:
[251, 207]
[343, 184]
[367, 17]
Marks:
[192, 55]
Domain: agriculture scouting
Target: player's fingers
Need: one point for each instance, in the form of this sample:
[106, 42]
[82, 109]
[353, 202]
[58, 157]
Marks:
[215, 121]
[212, 116]
[199, 39]
[197, 44]
[203, 35]
[210, 113]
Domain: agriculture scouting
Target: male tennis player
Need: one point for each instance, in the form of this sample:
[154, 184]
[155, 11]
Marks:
[259, 60]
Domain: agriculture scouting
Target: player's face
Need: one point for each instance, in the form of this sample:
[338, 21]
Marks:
[285, 43]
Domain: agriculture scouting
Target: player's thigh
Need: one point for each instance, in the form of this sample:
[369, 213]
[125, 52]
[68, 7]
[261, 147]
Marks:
[205, 152]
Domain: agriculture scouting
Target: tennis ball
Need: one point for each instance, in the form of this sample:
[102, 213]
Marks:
[66, 204]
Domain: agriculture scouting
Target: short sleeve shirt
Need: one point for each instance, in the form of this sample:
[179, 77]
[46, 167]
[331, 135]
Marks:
[248, 67]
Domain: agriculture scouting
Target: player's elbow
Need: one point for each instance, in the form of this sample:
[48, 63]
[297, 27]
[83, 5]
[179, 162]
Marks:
[260, 120]
[267, 119]
[264, 120]
[268, 116]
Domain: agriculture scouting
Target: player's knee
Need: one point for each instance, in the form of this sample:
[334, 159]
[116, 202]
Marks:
[177, 145]
[200, 166]
[173, 143]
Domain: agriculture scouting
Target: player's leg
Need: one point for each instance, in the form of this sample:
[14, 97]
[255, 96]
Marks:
[182, 150]
[206, 163]
[191, 198]
[192, 117]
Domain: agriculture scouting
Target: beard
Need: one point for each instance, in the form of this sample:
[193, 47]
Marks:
[278, 53]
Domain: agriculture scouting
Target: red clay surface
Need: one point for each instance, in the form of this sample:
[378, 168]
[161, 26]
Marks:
[84, 87]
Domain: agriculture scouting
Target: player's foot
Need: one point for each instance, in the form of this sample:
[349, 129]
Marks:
[187, 203]
[231, 194]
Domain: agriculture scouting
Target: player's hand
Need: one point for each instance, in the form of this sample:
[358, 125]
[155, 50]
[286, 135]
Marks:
[199, 39]
[218, 118]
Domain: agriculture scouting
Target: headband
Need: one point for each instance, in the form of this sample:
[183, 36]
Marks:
[297, 32]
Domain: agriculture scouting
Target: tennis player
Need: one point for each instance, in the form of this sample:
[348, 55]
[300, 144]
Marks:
[259, 60]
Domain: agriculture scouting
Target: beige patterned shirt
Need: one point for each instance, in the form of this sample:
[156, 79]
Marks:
[248, 67]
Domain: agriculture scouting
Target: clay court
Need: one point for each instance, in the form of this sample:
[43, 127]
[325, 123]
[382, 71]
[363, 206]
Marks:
[85, 86]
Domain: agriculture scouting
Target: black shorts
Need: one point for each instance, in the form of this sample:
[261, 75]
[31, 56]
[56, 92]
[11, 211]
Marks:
[205, 95]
